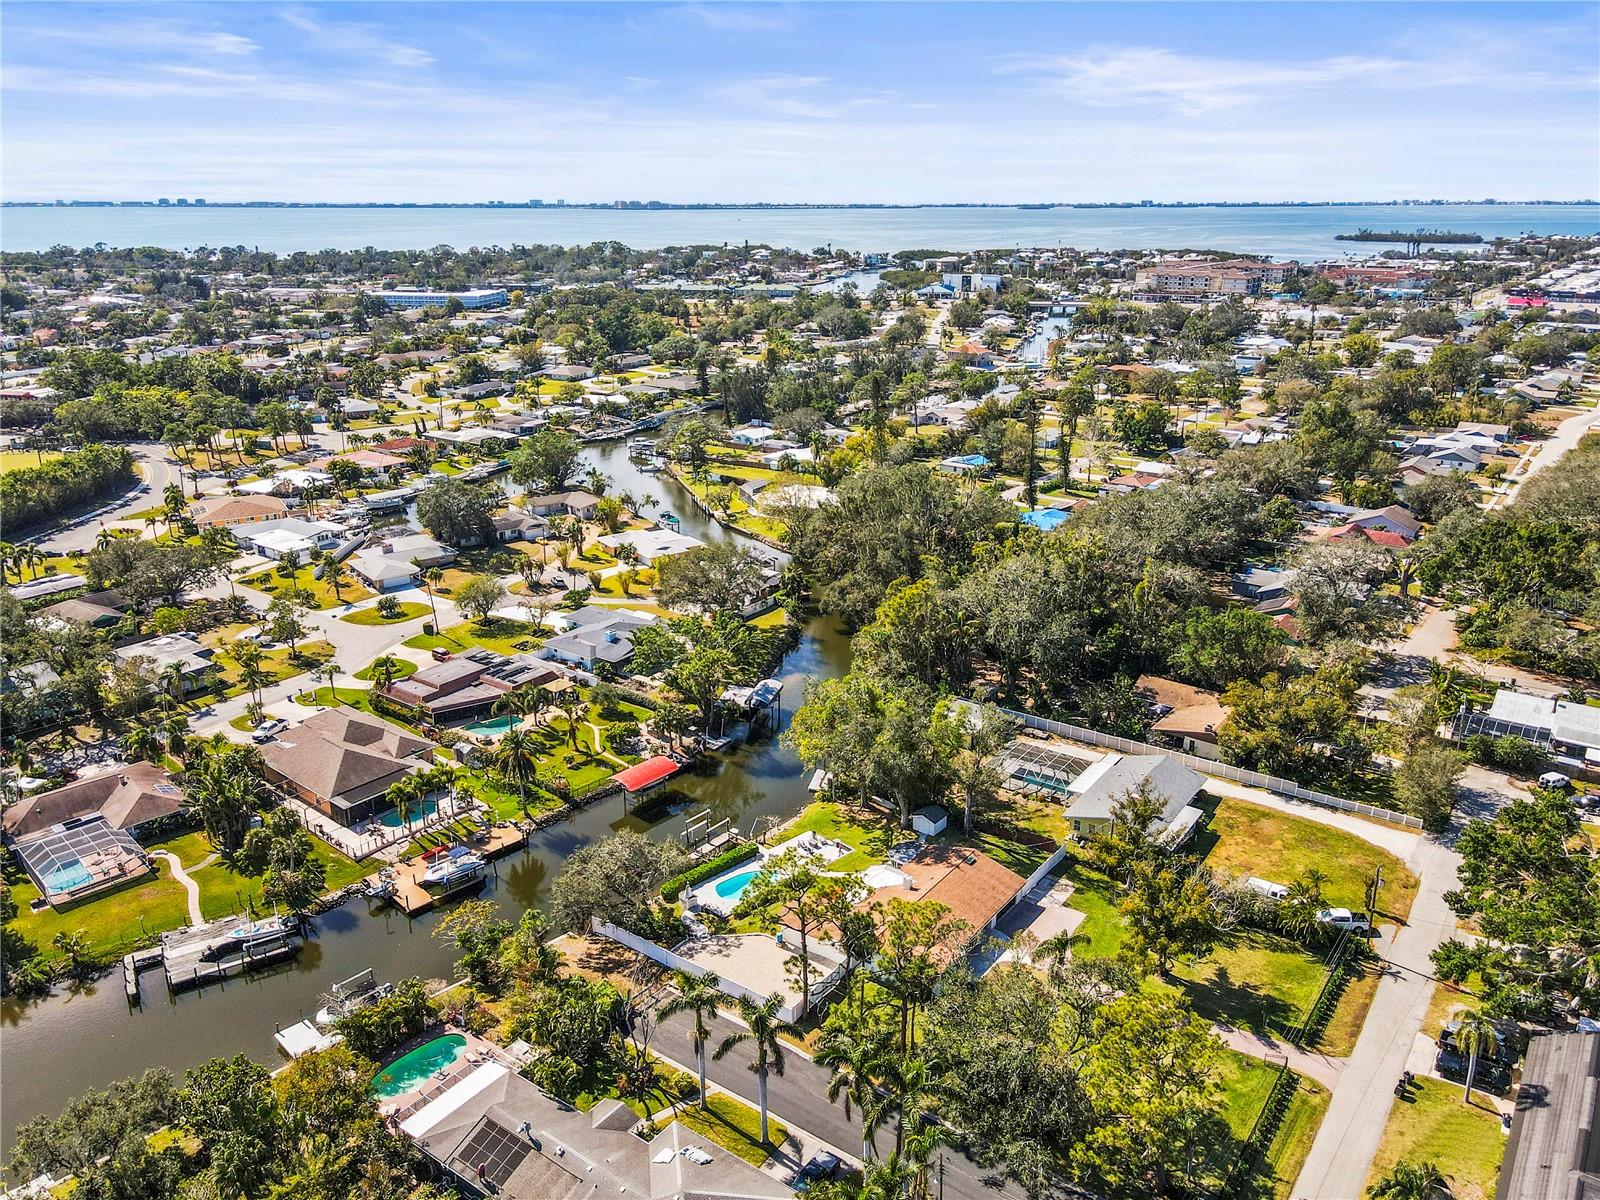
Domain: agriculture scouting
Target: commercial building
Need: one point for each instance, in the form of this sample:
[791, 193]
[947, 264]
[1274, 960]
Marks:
[417, 298]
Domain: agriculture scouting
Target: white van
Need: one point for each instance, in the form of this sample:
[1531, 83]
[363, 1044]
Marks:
[1272, 891]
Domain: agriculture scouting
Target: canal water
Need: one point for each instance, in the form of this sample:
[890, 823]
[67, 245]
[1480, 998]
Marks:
[55, 1048]
[1036, 349]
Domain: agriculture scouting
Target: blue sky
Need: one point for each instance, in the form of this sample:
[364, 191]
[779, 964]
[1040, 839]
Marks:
[800, 102]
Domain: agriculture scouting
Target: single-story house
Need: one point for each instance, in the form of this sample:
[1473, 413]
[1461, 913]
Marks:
[291, 535]
[572, 504]
[341, 762]
[754, 434]
[225, 511]
[1097, 791]
[1262, 583]
[651, 544]
[569, 373]
[98, 609]
[1553, 1152]
[392, 563]
[469, 684]
[1571, 730]
[496, 1134]
[517, 526]
[1188, 715]
[975, 887]
[191, 655]
[367, 460]
[132, 797]
[604, 637]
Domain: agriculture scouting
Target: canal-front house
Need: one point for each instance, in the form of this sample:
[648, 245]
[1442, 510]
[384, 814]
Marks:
[341, 762]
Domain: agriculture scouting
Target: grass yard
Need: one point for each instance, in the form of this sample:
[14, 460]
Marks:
[505, 636]
[409, 611]
[868, 833]
[1434, 1125]
[224, 891]
[321, 593]
[111, 923]
[21, 460]
[402, 668]
[1338, 1037]
[278, 664]
[1102, 932]
[1245, 839]
[1247, 1083]
[734, 1126]
[1255, 979]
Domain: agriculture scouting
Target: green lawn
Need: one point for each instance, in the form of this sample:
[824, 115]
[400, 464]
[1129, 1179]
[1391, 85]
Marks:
[224, 891]
[279, 664]
[868, 833]
[402, 668]
[1255, 979]
[1434, 1125]
[734, 1126]
[19, 460]
[504, 636]
[1247, 1083]
[322, 596]
[1245, 839]
[1102, 932]
[409, 611]
[111, 922]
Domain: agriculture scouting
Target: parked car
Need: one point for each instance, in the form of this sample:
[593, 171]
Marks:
[1493, 1076]
[1554, 781]
[268, 730]
[1343, 918]
[440, 654]
[822, 1165]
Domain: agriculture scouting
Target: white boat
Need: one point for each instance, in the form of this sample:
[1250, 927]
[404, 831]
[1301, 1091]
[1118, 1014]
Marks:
[270, 931]
[455, 870]
[641, 446]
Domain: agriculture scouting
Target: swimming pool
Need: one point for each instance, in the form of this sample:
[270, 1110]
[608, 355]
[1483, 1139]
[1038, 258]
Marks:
[493, 727]
[409, 1070]
[414, 813]
[732, 886]
[67, 876]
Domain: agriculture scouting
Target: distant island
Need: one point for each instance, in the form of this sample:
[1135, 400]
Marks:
[1431, 236]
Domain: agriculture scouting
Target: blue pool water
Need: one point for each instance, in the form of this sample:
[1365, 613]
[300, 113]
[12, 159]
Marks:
[404, 1074]
[493, 727]
[733, 885]
[415, 812]
[67, 876]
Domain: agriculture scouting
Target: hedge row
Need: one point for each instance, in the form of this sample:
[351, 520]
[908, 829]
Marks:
[730, 857]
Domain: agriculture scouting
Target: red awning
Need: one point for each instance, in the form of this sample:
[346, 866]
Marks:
[647, 774]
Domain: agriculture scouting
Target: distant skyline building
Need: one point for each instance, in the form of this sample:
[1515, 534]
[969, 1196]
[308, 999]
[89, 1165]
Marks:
[417, 298]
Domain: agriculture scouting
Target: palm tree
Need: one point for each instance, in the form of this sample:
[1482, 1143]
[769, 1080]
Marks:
[516, 757]
[764, 1030]
[856, 1059]
[75, 946]
[104, 538]
[172, 682]
[431, 578]
[1410, 1181]
[175, 733]
[402, 793]
[1475, 1035]
[32, 556]
[384, 670]
[141, 742]
[701, 998]
[571, 704]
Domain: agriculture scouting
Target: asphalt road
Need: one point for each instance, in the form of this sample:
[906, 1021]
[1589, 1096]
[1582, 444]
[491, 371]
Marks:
[799, 1098]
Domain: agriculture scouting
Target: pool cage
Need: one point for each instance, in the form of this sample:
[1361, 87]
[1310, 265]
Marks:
[79, 858]
[1038, 769]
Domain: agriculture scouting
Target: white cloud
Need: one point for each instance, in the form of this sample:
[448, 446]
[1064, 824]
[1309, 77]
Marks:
[362, 41]
[1118, 77]
[739, 18]
[170, 37]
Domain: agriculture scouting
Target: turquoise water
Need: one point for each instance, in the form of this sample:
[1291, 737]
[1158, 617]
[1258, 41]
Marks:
[415, 812]
[733, 885]
[1280, 230]
[493, 727]
[67, 876]
[407, 1071]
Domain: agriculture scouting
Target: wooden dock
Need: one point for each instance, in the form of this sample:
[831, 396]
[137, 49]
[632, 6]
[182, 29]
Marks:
[186, 954]
[411, 898]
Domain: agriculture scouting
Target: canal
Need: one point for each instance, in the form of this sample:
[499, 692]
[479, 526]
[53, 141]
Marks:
[54, 1048]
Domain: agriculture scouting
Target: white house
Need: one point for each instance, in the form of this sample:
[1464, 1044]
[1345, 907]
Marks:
[292, 535]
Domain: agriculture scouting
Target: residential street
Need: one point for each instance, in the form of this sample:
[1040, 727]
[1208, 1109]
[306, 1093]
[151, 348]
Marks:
[799, 1098]
[1342, 1154]
[1548, 453]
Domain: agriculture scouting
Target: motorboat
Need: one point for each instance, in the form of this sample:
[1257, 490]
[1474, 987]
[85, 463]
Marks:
[266, 933]
[350, 995]
[456, 869]
[640, 447]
